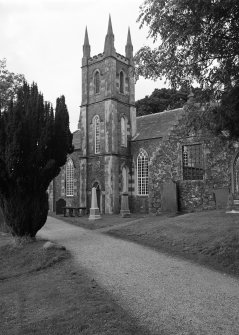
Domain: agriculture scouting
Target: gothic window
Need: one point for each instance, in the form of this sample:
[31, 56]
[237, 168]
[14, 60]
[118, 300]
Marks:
[123, 132]
[121, 82]
[97, 133]
[192, 162]
[142, 173]
[69, 178]
[97, 82]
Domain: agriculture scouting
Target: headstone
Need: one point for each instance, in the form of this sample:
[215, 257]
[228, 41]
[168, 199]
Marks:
[125, 213]
[169, 199]
[221, 196]
[94, 210]
[59, 206]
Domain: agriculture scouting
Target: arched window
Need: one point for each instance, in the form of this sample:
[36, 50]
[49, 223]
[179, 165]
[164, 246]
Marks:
[142, 173]
[97, 133]
[123, 132]
[121, 82]
[97, 82]
[69, 178]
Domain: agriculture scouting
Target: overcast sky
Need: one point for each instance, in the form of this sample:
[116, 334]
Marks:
[43, 39]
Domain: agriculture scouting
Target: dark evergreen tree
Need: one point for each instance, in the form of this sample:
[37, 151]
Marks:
[34, 144]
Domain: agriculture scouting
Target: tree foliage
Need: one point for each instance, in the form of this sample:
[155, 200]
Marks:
[165, 99]
[195, 40]
[160, 100]
[34, 144]
[226, 116]
[9, 84]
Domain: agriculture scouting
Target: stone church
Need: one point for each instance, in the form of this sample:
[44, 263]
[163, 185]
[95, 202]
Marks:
[156, 159]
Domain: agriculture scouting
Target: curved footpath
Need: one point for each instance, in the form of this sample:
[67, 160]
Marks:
[165, 294]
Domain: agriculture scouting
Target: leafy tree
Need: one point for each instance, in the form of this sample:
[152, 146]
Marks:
[160, 100]
[165, 99]
[196, 40]
[9, 84]
[34, 144]
[225, 118]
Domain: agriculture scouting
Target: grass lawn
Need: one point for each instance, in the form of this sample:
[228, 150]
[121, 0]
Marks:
[43, 293]
[107, 221]
[210, 238]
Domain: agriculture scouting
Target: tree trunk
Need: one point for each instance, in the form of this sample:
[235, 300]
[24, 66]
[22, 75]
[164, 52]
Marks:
[25, 214]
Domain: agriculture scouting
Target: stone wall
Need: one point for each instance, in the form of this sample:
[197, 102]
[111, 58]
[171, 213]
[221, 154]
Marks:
[166, 164]
[139, 203]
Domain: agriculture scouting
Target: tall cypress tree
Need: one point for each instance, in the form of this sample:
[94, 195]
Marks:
[34, 144]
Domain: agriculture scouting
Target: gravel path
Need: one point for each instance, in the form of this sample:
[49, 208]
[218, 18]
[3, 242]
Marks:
[167, 295]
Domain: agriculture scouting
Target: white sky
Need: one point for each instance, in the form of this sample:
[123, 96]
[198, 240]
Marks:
[43, 39]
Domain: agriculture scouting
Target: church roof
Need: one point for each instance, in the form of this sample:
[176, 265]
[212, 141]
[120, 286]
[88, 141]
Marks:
[157, 125]
[76, 141]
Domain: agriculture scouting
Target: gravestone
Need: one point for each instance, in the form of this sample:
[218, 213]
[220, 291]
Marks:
[94, 209]
[124, 211]
[221, 196]
[169, 199]
[59, 206]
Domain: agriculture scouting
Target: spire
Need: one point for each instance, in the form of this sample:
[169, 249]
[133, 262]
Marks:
[86, 46]
[129, 47]
[109, 48]
[110, 30]
[129, 38]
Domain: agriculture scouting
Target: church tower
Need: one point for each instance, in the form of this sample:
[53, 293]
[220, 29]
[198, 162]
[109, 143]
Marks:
[107, 123]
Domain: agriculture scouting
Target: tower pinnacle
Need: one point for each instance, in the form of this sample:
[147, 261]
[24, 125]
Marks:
[109, 48]
[86, 46]
[129, 47]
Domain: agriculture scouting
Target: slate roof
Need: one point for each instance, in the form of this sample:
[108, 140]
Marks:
[76, 141]
[156, 125]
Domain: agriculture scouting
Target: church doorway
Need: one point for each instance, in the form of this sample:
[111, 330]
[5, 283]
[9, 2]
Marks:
[98, 193]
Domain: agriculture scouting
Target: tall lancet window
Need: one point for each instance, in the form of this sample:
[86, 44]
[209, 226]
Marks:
[97, 82]
[121, 82]
[142, 173]
[123, 132]
[97, 133]
[69, 178]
